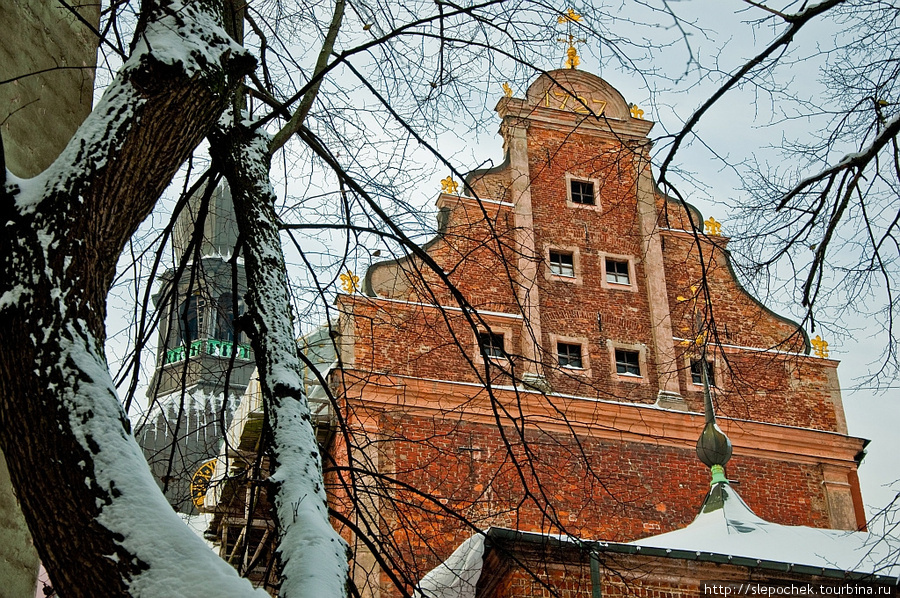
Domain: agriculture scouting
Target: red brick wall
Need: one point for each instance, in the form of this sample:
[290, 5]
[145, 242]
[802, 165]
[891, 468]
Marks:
[537, 576]
[517, 568]
[781, 389]
[553, 482]
[740, 320]
[473, 250]
[418, 340]
[478, 250]
[609, 227]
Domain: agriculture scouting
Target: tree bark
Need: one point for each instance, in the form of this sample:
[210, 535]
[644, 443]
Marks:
[101, 526]
[313, 556]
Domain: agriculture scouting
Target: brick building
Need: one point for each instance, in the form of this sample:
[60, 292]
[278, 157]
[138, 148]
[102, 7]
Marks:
[727, 550]
[538, 365]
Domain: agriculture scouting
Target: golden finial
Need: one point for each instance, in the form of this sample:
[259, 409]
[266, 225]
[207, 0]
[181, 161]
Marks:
[820, 347]
[636, 112]
[712, 226]
[507, 90]
[448, 185]
[570, 17]
[572, 59]
[349, 282]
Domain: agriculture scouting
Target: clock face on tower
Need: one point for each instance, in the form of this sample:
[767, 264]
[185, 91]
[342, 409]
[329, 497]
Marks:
[200, 482]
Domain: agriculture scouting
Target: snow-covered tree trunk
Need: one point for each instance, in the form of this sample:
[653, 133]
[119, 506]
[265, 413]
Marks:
[313, 556]
[101, 525]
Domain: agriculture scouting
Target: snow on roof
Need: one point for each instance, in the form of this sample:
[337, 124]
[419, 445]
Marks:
[725, 531]
[727, 526]
[458, 576]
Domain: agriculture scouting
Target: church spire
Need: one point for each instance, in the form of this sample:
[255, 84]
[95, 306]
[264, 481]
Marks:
[204, 361]
[713, 446]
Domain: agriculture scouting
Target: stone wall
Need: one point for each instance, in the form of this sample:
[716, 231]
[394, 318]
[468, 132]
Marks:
[47, 62]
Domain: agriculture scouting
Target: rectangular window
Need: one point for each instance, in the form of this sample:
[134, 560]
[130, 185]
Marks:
[562, 264]
[617, 271]
[628, 362]
[697, 375]
[569, 355]
[582, 192]
[491, 344]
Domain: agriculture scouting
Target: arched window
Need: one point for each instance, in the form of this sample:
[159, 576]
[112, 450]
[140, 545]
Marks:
[225, 314]
[190, 319]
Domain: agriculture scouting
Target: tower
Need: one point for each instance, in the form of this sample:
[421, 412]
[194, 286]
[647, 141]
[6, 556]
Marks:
[203, 362]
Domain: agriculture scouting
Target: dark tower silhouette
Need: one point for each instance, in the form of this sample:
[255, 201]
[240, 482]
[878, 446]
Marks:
[203, 362]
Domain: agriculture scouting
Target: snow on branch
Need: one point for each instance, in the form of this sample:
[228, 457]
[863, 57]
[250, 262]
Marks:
[314, 557]
[174, 560]
[63, 233]
[189, 36]
[183, 41]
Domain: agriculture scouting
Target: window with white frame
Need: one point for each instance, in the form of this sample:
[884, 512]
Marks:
[569, 355]
[562, 263]
[617, 271]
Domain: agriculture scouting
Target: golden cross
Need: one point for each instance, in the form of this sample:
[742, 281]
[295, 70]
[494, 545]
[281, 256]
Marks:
[712, 226]
[570, 17]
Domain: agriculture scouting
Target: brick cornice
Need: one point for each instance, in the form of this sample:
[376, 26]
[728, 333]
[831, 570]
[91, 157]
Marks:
[567, 121]
[372, 393]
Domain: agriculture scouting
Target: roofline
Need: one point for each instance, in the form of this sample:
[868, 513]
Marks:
[470, 176]
[443, 217]
[597, 546]
[638, 421]
[689, 207]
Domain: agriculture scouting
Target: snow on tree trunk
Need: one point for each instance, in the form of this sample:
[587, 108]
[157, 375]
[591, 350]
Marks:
[314, 558]
[101, 525]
